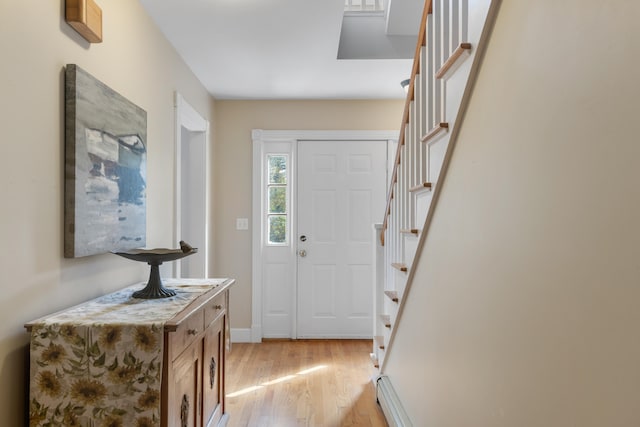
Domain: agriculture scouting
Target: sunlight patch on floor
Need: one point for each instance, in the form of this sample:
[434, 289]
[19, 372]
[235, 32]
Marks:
[276, 381]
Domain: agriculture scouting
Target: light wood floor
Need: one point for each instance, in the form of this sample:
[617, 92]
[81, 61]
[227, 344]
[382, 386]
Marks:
[321, 383]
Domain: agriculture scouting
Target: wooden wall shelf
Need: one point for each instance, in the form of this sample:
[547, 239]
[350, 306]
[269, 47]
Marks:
[85, 16]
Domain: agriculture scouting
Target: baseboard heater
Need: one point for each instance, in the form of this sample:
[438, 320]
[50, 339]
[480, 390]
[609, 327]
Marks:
[390, 403]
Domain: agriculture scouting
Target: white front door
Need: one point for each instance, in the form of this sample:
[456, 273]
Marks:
[330, 187]
[341, 190]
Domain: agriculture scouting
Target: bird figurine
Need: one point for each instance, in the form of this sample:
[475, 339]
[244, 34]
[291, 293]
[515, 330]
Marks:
[185, 246]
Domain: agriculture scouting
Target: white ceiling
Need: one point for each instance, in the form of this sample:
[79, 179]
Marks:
[275, 49]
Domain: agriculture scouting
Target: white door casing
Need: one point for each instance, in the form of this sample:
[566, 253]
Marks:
[192, 180]
[341, 191]
[274, 292]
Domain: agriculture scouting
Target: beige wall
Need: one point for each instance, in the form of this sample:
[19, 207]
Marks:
[136, 61]
[524, 310]
[232, 170]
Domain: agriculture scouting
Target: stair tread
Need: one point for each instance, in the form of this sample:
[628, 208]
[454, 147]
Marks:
[436, 131]
[380, 342]
[451, 61]
[374, 360]
[420, 187]
[410, 231]
[393, 295]
[399, 266]
[386, 320]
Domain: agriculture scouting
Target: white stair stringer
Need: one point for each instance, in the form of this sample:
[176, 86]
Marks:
[423, 200]
[410, 244]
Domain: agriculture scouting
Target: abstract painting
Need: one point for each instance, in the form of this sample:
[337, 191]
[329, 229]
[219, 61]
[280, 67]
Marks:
[105, 168]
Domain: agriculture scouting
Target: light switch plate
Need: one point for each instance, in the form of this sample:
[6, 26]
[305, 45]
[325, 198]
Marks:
[242, 223]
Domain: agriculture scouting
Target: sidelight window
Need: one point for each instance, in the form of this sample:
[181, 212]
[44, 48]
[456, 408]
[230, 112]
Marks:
[277, 199]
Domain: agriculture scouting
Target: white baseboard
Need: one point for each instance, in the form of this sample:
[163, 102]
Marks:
[240, 335]
[390, 403]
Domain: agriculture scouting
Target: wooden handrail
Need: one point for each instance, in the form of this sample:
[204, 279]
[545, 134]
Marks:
[405, 116]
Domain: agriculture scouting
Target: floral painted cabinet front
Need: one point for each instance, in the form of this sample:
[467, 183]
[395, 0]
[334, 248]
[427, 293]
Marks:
[111, 361]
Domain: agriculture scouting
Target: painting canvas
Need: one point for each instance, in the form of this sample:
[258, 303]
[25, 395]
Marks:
[105, 168]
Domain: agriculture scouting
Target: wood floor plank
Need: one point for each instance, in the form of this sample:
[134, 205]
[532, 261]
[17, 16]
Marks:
[311, 383]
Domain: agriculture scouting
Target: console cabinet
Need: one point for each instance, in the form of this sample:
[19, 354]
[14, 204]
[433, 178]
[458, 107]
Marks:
[195, 355]
[123, 382]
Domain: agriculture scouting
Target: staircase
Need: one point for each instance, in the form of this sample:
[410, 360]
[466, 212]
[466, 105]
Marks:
[447, 56]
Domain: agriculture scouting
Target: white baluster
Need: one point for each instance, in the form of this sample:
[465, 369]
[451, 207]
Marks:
[410, 138]
[445, 52]
[430, 76]
[402, 196]
[436, 41]
[413, 156]
[445, 30]
[396, 220]
[424, 111]
[464, 21]
[454, 26]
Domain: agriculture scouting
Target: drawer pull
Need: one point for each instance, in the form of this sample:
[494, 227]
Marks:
[217, 307]
[212, 372]
[184, 411]
[192, 331]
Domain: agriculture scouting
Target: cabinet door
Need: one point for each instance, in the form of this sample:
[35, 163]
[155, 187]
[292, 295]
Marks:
[185, 411]
[213, 367]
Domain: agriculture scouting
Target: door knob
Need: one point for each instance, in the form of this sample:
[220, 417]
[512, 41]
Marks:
[302, 253]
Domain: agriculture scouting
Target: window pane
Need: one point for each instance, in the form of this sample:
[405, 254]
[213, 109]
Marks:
[278, 199]
[277, 169]
[277, 229]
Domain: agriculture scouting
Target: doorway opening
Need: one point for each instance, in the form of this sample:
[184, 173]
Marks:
[192, 182]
